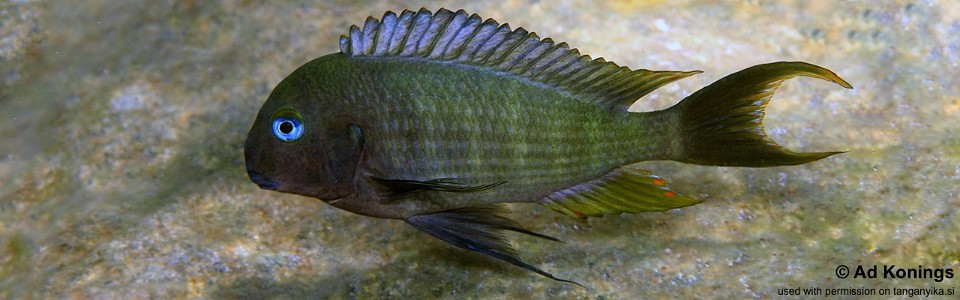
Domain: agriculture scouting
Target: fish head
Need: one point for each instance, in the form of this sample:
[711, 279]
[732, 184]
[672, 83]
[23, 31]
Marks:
[300, 144]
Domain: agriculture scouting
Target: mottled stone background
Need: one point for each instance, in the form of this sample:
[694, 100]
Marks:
[121, 168]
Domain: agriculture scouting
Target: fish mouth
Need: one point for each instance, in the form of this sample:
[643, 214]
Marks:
[262, 182]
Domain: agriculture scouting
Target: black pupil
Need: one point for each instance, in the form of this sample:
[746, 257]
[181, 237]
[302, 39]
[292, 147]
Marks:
[286, 127]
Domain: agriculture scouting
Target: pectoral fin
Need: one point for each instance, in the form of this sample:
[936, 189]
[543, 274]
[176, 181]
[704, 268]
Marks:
[399, 188]
[478, 229]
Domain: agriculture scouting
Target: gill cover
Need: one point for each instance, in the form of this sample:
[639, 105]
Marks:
[342, 155]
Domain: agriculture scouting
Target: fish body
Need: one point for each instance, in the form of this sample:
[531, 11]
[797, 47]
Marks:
[437, 118]
[423, 121]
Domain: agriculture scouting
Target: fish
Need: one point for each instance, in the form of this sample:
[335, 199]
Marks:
[440, 118]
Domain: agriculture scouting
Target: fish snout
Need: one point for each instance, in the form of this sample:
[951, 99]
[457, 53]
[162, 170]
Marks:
[261, 181]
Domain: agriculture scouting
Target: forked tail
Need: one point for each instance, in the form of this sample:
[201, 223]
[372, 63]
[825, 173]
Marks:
[722, 124]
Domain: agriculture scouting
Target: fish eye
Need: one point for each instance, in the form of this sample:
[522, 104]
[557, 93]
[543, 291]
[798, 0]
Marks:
[287, 126]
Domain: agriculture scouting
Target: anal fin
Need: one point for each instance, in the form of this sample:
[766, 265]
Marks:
[479, 229]
[624, 190]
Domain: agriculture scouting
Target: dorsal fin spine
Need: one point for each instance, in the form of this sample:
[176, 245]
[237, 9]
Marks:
[510, 42]
[495, 41]
[548, 49]
[578, 74]
[438, 29]
[463, 22]
[583, 73]
[385, 30]
[534, 55]
[444, 35]
[428, 37]
[471, 42]
[524, 64]
[355, 39]
[572, 58]
[490, 34]
[553, 51]
[470, 25]
[416, 32]
[421, 27]
[498, 38]
[370, 32]
[526, 46]
[389, 23]
[400, 33]
[595, 80]
[467, 36]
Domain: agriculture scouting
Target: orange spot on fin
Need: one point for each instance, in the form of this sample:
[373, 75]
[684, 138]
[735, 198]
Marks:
[659, 182]
[579, 214]
[669, 194]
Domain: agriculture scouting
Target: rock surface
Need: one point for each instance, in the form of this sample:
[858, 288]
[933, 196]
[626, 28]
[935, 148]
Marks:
[121, 166]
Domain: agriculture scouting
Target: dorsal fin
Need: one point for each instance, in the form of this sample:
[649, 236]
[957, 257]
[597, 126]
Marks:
[456, 37]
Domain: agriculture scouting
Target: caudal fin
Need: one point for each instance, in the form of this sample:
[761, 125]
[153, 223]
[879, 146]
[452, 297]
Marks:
[722, 124]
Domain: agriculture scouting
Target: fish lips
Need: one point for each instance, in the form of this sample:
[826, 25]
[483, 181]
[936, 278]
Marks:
[261, 181]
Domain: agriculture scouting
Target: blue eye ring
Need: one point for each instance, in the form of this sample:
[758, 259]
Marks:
[287, 126]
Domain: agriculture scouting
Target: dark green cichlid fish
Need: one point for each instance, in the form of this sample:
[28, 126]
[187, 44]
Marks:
[438, 118]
